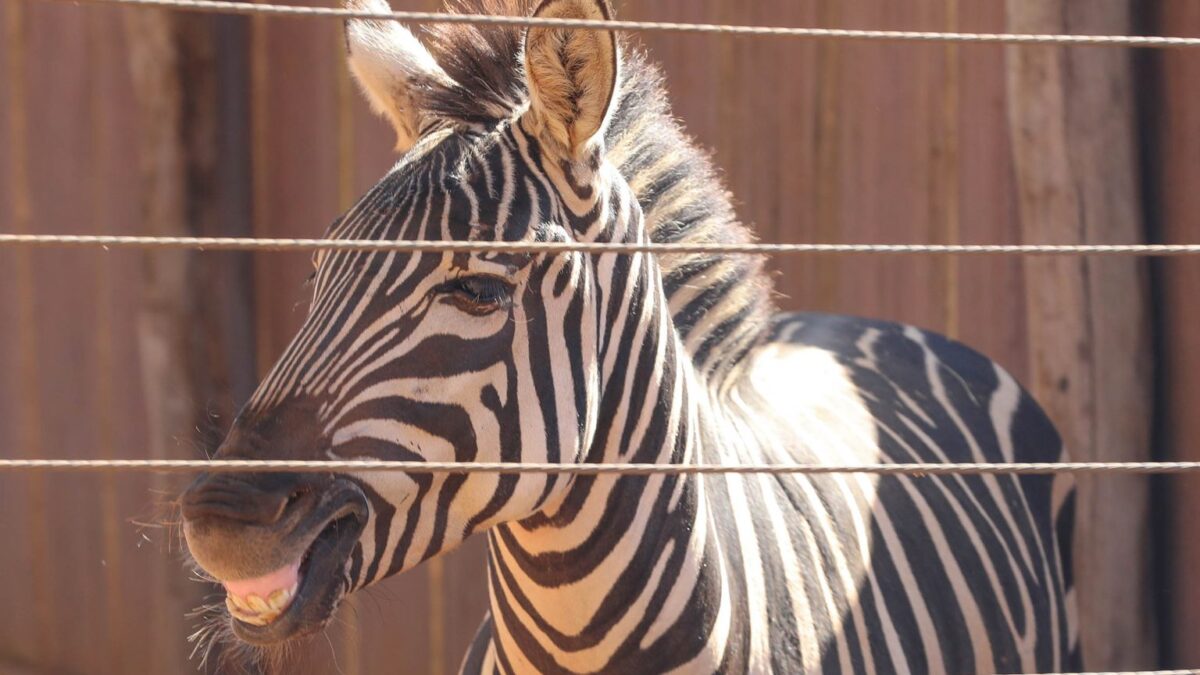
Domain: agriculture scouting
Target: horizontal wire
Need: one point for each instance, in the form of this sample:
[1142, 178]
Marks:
[257, 244]
[1136, 672]
[942, 469]
[218, 6]
[235, 244]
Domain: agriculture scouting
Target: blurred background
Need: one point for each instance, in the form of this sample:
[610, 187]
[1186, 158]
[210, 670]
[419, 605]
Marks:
[132, 121]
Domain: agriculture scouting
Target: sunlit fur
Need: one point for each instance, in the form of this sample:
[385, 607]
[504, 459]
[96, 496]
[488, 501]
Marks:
[725, 296]
[673, 359]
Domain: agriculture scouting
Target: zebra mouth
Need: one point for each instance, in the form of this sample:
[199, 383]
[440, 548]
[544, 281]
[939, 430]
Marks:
[306, 593]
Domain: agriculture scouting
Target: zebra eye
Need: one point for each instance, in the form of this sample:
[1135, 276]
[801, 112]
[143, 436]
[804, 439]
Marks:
[478, 294]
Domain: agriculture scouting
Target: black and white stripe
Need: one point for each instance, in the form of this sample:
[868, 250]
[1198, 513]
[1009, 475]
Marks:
[607, 358]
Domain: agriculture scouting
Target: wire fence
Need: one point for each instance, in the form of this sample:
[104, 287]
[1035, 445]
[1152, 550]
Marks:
[412, 246]
[222, 7]
[627, 469]
[1137, 672]
[278, 244]
[944, 469]
[297, 244]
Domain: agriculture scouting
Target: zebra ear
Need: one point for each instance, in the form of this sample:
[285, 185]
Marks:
[390, 64]
[572, 76]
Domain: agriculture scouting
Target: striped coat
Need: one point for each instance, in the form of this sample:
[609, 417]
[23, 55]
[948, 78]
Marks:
[552, 135]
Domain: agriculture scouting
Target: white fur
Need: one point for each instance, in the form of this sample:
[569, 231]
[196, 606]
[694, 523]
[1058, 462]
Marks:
[387, 59]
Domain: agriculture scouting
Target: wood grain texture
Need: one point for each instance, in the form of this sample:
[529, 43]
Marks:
[1073, 138]
[819, 141]
[1175, 128]
[193, 321]
[26, 411]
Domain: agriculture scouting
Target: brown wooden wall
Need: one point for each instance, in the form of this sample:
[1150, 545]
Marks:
[139, 122]
[1173, 150]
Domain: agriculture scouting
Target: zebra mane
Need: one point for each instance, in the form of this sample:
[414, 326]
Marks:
[680, 193]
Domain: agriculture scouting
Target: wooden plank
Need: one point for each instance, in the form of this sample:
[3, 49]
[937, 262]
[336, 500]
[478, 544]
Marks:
[1118, 615]
[1073, 141]
[58, 39]
[194, 339]
[1175, 134]
[19, 407]
[7, 668]
[103, 55]
[118, 400]
[75, 183]
[155, 61]
[991, 305]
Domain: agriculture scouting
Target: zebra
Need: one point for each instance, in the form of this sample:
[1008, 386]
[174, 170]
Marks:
[554, 135]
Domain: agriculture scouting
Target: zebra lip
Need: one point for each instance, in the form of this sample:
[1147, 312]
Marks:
[320, 583]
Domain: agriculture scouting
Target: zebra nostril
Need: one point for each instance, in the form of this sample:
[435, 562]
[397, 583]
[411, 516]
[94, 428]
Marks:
[259, 500]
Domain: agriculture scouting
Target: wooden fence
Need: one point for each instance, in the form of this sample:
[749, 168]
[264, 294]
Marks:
[143, 122]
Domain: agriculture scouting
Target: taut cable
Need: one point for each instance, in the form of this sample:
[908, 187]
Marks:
[258, 244]
[222, 7]
[217, 465]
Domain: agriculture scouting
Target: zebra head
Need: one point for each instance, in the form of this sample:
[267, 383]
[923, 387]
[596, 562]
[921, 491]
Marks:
[436, 357]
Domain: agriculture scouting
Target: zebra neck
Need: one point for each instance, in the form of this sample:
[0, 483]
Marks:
[720, 303]
[617, 557]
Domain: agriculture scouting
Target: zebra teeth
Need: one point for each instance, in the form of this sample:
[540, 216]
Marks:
[259, 611]
[258, 604]
[240, 609]
[235, 602]
[279, 599]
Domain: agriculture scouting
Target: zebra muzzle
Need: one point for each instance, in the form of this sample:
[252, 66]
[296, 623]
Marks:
[279, 544]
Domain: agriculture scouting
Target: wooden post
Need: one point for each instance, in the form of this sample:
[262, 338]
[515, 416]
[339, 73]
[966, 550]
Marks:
[195, 335]
[1174, 122]
[19, 218]
[1074, 147]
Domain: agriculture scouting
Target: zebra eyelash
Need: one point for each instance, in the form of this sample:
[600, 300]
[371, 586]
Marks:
[478, 294]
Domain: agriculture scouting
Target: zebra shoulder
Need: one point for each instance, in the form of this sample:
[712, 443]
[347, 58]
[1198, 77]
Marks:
[897, 366]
